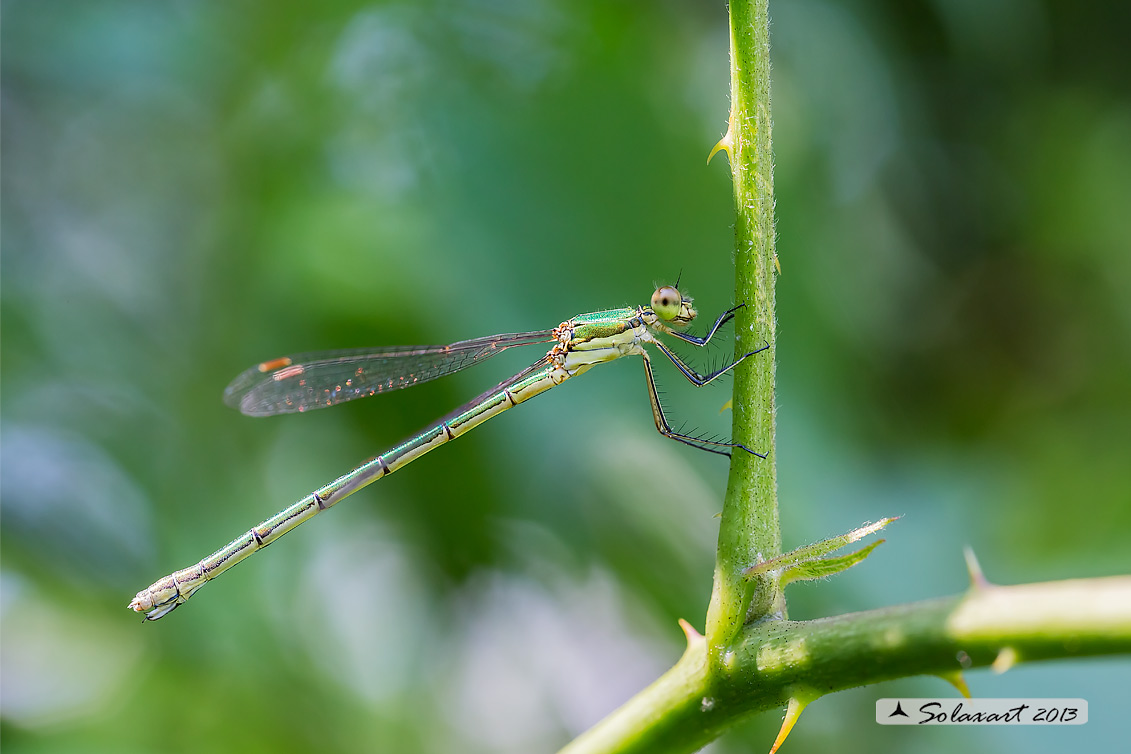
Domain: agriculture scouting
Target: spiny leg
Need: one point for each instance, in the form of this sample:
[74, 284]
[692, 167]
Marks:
[665, 429]
[695, 340]
[699, 380]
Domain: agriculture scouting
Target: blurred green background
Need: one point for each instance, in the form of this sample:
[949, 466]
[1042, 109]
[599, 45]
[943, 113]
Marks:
[190, 188]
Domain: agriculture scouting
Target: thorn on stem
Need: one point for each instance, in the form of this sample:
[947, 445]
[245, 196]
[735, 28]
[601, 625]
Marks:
[974, 569]
[693, 636]
[797, 704]
[955, 679]
[726, 143]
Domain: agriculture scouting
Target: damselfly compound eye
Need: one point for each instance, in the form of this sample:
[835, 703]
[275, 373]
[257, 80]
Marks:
[667, 302]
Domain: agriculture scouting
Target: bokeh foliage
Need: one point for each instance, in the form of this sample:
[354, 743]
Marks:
[189, 188]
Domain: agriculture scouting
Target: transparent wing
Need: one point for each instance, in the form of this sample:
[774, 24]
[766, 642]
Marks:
[307, 381]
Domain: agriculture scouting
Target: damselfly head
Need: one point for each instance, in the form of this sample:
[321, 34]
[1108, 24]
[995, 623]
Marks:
[672, 306]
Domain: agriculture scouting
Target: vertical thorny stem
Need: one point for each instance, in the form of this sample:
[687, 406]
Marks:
[749, 529]
[744, 664]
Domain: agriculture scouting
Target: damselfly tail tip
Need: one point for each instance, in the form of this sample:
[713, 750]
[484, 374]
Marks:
[140, 603]
[159, 599]
[152, 612]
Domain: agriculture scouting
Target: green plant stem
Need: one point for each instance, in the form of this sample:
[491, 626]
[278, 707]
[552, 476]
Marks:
[774, 660]
[749, 530]
[752, 659]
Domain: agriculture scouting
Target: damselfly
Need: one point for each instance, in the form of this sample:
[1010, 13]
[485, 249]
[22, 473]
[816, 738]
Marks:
[314, 380]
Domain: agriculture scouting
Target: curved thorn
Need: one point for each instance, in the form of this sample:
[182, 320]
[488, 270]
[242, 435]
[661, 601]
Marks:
[725, 143]
[954, 678]
[797, 704]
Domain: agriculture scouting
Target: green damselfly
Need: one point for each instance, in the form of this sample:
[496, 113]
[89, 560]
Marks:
[314, 380]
